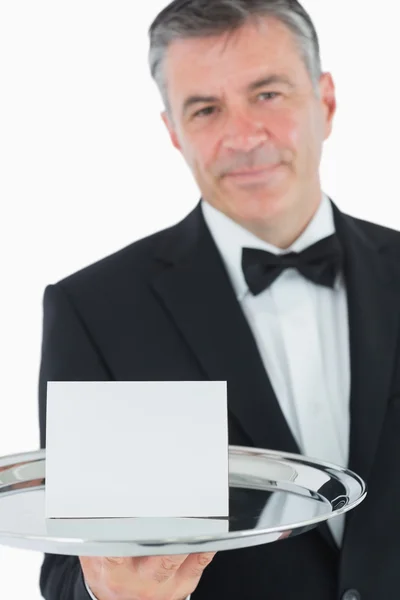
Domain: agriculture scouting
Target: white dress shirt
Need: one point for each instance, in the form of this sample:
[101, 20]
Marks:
[301, 330]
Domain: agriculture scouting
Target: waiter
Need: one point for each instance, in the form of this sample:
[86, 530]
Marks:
[266, 285]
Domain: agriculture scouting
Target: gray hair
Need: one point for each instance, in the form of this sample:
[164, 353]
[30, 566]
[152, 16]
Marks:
[183, 19]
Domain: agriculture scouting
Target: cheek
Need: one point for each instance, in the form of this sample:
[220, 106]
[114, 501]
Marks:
[287, 129]
[296, 125]
[205, 159]
[198, 153]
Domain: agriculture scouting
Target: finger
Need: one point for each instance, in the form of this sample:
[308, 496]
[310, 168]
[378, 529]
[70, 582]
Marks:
[117, 560]
[114, 566]
[195, 564]
[115, 577]
[159, 568]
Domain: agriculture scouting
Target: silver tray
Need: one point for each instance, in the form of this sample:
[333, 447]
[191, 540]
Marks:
[272, 495]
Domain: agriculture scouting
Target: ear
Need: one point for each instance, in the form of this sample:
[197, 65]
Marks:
[328, 101]
[171, 130]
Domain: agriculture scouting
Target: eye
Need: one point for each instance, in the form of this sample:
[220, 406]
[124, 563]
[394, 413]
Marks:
[203, 111]
[273, 94]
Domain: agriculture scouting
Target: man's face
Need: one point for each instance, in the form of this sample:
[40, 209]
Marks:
[245, 101]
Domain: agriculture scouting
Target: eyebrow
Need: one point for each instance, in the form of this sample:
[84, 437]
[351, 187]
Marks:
[255, 85]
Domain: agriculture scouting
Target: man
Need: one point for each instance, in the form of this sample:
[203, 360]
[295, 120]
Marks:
[308, 343]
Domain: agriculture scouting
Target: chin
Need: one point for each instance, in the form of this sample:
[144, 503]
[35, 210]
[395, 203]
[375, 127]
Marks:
[256, 209]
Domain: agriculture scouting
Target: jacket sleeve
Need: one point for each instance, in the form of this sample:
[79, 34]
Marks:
[68, 353]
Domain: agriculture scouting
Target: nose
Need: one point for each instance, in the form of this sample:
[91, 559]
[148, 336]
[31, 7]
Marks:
[243, 134]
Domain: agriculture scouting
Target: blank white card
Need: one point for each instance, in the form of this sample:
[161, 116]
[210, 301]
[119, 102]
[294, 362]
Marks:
[137, 449]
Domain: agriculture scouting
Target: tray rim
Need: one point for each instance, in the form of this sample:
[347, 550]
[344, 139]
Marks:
[248, 451]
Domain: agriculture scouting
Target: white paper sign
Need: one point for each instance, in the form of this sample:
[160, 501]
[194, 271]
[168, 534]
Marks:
[137, 449]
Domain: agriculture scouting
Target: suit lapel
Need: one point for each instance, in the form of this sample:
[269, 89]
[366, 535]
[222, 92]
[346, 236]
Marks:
[373, 304]
[197, 292]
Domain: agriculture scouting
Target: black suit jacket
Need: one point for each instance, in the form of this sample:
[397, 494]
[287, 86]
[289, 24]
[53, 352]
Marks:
[162, 309]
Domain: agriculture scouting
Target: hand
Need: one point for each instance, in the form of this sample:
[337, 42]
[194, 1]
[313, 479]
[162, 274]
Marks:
[145, 578]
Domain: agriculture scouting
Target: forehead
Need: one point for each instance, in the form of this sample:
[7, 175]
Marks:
[231, 58]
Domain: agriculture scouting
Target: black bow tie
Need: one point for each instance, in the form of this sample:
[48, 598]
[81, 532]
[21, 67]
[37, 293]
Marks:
[319, 263]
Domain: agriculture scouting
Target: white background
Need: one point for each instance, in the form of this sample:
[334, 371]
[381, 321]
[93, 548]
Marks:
[86, 165]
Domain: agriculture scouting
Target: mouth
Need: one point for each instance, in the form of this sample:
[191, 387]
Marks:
[253, 174]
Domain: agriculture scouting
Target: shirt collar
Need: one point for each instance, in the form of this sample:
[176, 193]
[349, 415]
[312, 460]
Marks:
[230, 238]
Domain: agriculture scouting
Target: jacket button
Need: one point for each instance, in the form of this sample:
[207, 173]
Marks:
[351, 595]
